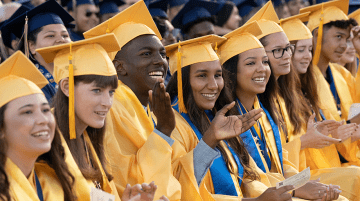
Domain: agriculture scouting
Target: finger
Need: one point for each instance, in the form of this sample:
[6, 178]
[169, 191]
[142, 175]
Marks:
[136, 198]
[330, 140]
[311, 121]
[136, 189]
[145, 187]
[162, 95]
[253, 115]
[285, 189]
[150, 98]
[285, 196]
[164, 198]
[226, 108]
[127, 192]
[167, 100]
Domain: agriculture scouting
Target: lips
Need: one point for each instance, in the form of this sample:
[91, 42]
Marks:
[101, 113]
[259, 79]
[40, 134]
[156, 74]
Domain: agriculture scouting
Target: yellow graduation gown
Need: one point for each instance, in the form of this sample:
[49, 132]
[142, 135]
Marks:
[23, 189]
[324, 163]
[82, 186]
[327, 104]
[137, 154]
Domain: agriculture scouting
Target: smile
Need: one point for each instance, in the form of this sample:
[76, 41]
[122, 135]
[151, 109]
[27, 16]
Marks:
[101, 113]
[40, 134]
[259, 79]
[209, 96]
[156, 74]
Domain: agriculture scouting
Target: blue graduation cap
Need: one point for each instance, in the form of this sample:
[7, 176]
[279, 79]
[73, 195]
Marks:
[173, 3]
[158, 8]
[224, 13]
[26, 3]
[321, 1]
[193, 11]
[277, 2]
[110, 6]
[354, 5]
[245, 6]
[69, 3]
[47, 13]
[7, 35]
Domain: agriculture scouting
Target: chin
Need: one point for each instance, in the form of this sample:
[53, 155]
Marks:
[98, 124]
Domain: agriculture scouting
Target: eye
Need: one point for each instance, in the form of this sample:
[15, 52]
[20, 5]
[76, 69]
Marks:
[266, 62]
[250, 63]
[146, 53]
[301, 50]
[201, 75]
[111, 92]
[217, 75]
[278, 50]
[163, 54]
[50, 36]
[96, 90]
[27, 112]
[66, 36]
[46, 110]
[339, 36]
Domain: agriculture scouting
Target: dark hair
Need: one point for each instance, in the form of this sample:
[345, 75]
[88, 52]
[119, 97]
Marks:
[160, 24]
[61, 112]
[32, 36]
[187, 27]
[200, 120]
[309, 89]
[224, 14]
[55, 158]
[289, 90]
[342, 24]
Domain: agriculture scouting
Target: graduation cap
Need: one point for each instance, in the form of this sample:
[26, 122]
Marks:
[225, 10]
[193, 11]
[19, 77]
[277, 2]
[189, 52]
[267, 20]
[69, 3]
[294, 27]
[158, 8]
[355, 15]
[324, 13]
[85, 57]
[244, 35]
[127, 25]
[26, 3]
[110, 6]
[353, 6]
[173, 3]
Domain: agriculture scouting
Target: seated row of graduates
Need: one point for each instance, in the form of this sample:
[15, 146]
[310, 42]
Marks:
[203, 139]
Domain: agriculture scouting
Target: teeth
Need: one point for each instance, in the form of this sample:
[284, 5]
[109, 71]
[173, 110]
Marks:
[156, 73]
[40, 133]
[209, 95]
[100, 113]
[259, 79]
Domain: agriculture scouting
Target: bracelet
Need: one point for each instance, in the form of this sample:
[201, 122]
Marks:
[348, 122]
[293, 193]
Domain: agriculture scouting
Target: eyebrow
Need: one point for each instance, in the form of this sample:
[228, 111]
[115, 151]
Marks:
[249, 58]
[341, 33]
[201, 71]
[31, 105]
[281, 46]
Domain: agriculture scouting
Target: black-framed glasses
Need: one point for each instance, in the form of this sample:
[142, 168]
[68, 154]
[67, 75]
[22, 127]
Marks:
[89, 14]
[279, 52]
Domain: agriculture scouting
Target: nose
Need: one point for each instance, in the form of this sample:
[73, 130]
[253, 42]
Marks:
[212, 84]
[287, 54]
[159, 59]
[41, 118]
[107, 100]
[261, 68]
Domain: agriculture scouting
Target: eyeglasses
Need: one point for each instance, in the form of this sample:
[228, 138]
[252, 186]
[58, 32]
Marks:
[89, 14]
[279, 52]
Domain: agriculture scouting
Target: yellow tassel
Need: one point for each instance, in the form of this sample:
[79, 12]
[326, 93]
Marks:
[182, 108]
[71, 98]
[216, 50]
[26, 45]
[108, 29]
[319, 39]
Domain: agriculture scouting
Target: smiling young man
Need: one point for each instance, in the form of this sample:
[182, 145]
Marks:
[330, 42]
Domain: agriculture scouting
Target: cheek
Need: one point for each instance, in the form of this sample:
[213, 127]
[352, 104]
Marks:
[220, 83]
[17, 128]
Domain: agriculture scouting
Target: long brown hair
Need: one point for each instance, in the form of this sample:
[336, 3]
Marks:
[61, 112]
[55, 158]
[289, 90]
[200, 120]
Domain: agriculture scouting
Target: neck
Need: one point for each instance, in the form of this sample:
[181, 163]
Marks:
[49, 67]
[79, 127]
[323, 64]
[341, 63]
[247, 100]
[25, 162]
[143, 97]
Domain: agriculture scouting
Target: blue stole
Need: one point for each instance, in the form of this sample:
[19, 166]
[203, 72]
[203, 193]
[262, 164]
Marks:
[51, 88]
[221, 177]
[38, 188]
[251, 146]
[330, 80]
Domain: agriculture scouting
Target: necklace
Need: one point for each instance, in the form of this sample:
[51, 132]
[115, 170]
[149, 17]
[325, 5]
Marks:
[96, 183]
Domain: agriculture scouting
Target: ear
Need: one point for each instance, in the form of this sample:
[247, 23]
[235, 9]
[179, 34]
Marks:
[120, 67]
[315, 36]
[32, 47]
[64, 86]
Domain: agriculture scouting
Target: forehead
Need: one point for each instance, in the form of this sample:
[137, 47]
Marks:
[305, 42]
[33, 99]
[257, 52]
[85, 7]
[336, 30]
[144, 41]
[276, 39]
[206, 66]
[53, 27]
[202, 27]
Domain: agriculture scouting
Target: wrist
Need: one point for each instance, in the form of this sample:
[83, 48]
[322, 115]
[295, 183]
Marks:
[166, 132]
[209, 138]
[303, 140]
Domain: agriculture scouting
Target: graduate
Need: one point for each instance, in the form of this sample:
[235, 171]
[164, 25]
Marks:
[42, 26]
[227, 19]
[109, 8]
[138, 144]
[85, 73]
[317, 150]
[295, 6]
[27, 135]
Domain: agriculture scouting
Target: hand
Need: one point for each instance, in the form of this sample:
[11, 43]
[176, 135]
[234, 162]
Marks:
[273, 194]
[314, 139]
[160, 104]
[143, 192]
[249, 119]
[355, 31]
[356, 135]
[344, 131]
[223, 127]
[327, 126]
[312, 190]
[355, 119]
[163, 198]
[332, 193]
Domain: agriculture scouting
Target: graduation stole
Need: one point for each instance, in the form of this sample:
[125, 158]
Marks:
[251, 145]
[331, 82]
[221, 177]
[38, 188]
[251, 139]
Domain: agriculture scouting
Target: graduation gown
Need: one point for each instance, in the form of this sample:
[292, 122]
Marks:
[136, 153]
[329, 107]
[22, 188]
[83, 186]
[324, 163]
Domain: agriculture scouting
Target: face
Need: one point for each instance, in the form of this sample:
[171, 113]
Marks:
[253, 72]
[92, 104]
[206, 82]
[276, 42]
[234, 20]
[169, 38]
[350, 53]
[50, 35]
[144, 59]
[200, 29]
[334, 43]
[302, 55]
[29, 126]
[87, 17]
[173, 11]
[295, 6]
[106, 16]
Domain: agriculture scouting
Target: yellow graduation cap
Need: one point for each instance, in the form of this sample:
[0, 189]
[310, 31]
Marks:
[85, 57]
[19, 77]
[294, 27]
[190, 52]
[355, 15]
[245, 35]
[127, 25]
[324, 13]
[267, 19]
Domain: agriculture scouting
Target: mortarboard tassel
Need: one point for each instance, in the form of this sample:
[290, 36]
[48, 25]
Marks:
[182, 108]
[72, 130]
[319, 38]
[26, 45]
[216, 50]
